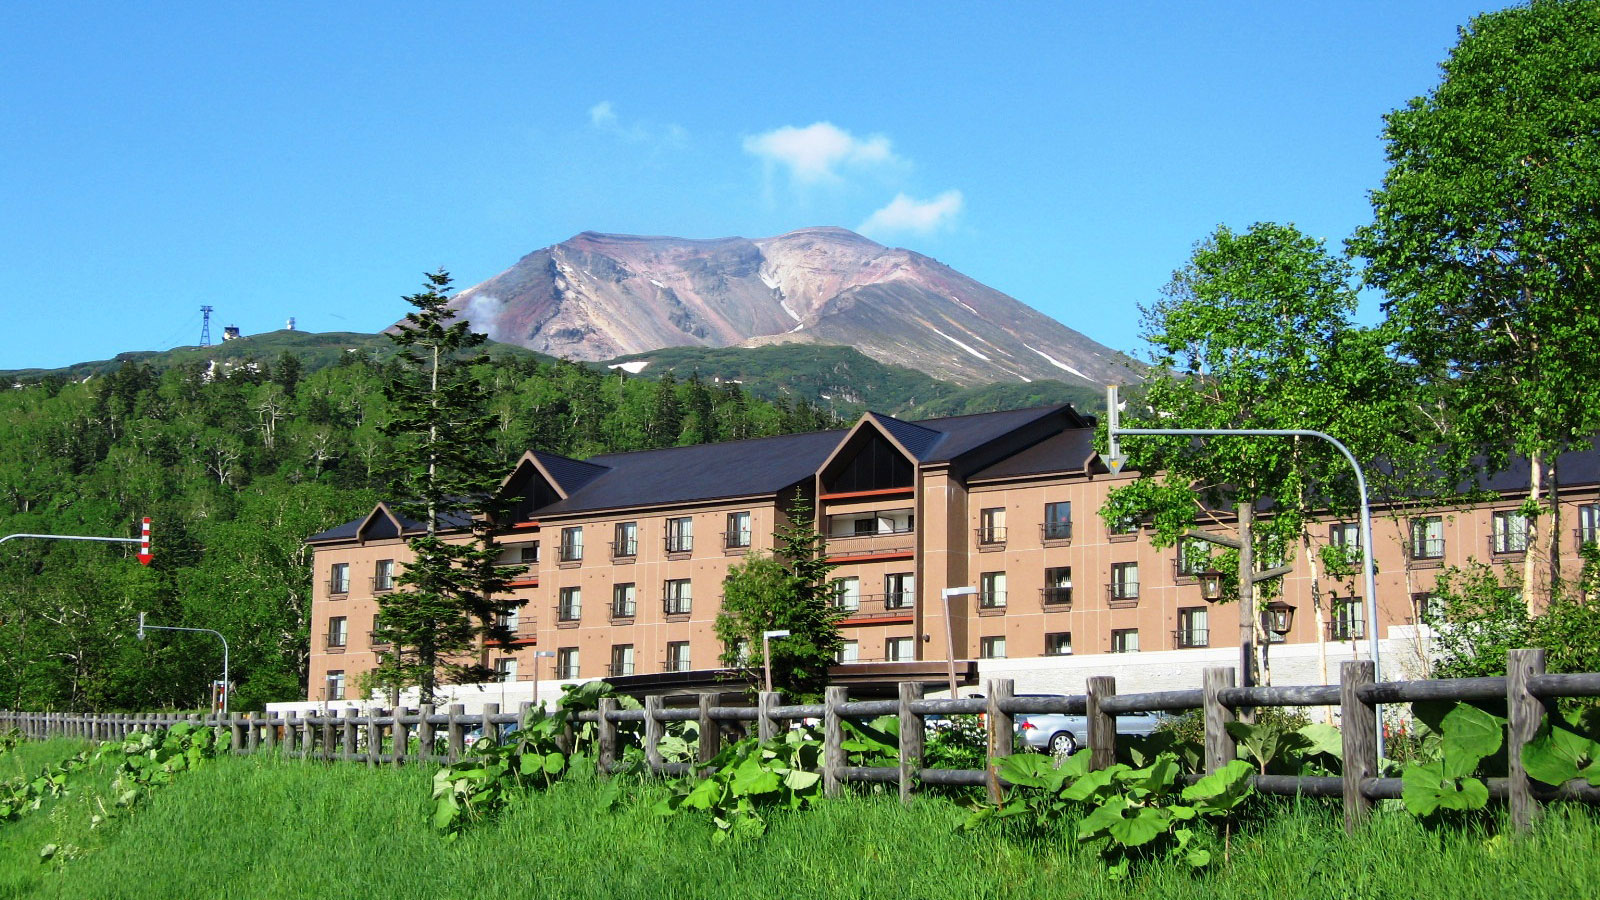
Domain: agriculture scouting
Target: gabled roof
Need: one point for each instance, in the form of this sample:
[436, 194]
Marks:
[917, 440]
[383, 523]
[1065, 451]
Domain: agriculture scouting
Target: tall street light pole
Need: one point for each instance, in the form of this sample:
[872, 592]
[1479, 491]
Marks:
[1115, 460]
[226, 687]
[538, 655]
[766, 654]
[949, 631]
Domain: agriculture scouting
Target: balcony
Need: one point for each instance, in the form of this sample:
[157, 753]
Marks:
[374, 642]
[1056, 531]
[677, 664]
[680, 543]
[619, 668]
[866, 608]
[624, 549]
[568, 613]
[339, 586]
[736, 540]
[624, 608]
[677, 606]
[335, 642]
[991, 536]
[1188, 639]
[876, 545]
[381, 584]
[571, 553]
[523, 628]
[1509, 543]
[1122, 594]
[991, 600]
[1057, 597]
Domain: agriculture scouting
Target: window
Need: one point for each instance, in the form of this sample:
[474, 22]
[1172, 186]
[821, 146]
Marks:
[1427, 538]
[900, 649]
[847, 593]
[1510, 532]
[339, 579]
[992, 526]
[1124, 526]
[1125, 640]
[383, 575]
[1194, 557]
[677, 656]
[335, 686]
[1058, 643]
[567, 663]
[626, 542]
[1345, 534]
[899, 590]
[1349, 619]
[678, 599]
[680, 535]
[1125, 581]
[992, 590]
[509, 620]
[849, 652]
[621, 659]
[338, 631]
[738, 534]
[1426, 607]
[572, 544]
[569, 608]
[1588, 524]
[372, 636]
[624, 601]
[889, 521]
[505, 669]
[1058, 585]
[741, 651]
[992, 647]
[528, 554]
[1057, 521]
[1192, 630]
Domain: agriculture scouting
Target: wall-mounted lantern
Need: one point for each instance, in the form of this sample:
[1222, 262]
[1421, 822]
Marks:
[1278, 618]
[1210, 585]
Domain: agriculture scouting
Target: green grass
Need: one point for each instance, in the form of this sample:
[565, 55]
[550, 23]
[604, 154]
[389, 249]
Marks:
[260, 827]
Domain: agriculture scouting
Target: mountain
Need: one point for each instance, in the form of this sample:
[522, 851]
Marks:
[600, 296]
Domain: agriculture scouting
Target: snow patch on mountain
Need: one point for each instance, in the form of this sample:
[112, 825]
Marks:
[961, 345]
[1058, 363]
[632, 366]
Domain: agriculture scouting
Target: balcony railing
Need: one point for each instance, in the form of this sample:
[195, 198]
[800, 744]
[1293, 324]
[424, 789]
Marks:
[624, 608]
[522, 628]
[1426, 548]
[1123, 591]
[374, 642]
[381, 583]
[735, 540]
[1347, 630]
[339, 585]
[1056, 531]
[566, 673]
[844, 546]
[571, 552]
[336, 642]
[677, 606]
[992, 534]
[1060, 595]
[1507, 543]
[1586, 536]
[677, 664]
[625, 549]
[620, 668]
[569, 612]
[1185, 639]
[991, 599]
[876, 606]
[680, 543]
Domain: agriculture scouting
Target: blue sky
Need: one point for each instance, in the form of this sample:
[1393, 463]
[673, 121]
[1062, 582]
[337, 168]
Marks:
[313, 160]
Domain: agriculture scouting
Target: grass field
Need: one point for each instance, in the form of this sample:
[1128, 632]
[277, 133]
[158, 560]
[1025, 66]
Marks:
[261, 827]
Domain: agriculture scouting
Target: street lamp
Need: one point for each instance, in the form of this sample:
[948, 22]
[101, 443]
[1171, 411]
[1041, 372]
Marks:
[766, 653]
[538, 655]
[949, 631]
[1210, 585]
[144, 626]
[1278, 618]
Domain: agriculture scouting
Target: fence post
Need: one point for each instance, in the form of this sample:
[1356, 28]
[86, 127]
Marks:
[766, 725]
[833, 741]
[652, 732]
[605, 735]
[454, 736]
[348, 722]
[524, 714]
[401, 737]
[425, 732]
[291, 733]
[490, 731]
[1358, 723]
[327, 734]
[238, 734]
[1524, 712]
[1102, 727]
[270, 737]
[912, 737]
[1220, 749]
[710, 735]
[1001, 734]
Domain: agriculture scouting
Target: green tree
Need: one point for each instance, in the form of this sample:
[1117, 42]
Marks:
[1485, 234]
[1255, 332]
[450, 593]
[788, 590]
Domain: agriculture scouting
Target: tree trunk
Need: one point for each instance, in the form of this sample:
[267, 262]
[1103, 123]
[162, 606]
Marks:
[1247, 595]
[1530, 556]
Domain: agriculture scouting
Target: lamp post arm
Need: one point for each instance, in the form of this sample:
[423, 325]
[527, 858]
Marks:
[71, 537]
[225, 685]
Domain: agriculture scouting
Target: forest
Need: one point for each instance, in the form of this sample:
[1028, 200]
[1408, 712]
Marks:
[237, 463]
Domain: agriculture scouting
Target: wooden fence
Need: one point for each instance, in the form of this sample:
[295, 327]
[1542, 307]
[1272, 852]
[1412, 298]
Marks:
[383, 737]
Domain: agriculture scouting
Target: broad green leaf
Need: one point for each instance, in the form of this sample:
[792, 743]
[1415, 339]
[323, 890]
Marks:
[1559, 756]
[1469, 735]
[1323, 738]
[799, 780]
[1031, 770]
[1089, 783]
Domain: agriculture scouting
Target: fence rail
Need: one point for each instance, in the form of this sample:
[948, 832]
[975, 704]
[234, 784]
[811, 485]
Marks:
[385, 737]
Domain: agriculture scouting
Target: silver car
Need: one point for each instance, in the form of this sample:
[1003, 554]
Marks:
[1062, 734]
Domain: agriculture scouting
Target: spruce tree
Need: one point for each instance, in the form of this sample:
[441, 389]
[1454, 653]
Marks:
[448, 596]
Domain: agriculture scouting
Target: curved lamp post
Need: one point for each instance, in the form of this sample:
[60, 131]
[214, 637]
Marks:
[226, 688]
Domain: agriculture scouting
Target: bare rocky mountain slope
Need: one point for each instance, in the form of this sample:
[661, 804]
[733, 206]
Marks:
[599, 296]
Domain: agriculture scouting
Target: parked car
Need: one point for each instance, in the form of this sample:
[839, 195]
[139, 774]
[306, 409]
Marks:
[1061, 734]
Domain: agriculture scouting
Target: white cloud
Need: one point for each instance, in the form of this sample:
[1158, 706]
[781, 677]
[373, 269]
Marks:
[603, 116]
[918, 216]
[816, 152]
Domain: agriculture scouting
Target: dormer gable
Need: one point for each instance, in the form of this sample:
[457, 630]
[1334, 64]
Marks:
[873, 457]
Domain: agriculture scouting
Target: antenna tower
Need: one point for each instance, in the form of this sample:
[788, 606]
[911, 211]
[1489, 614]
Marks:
[205, 326]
